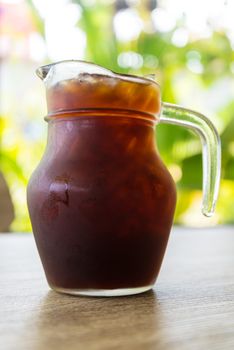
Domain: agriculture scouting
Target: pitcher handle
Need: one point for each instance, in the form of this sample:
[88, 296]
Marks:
[211, 149]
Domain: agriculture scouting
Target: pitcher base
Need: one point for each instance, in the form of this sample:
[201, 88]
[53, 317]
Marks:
[103, 292]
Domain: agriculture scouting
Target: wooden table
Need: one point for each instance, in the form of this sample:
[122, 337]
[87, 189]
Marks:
[191, 307]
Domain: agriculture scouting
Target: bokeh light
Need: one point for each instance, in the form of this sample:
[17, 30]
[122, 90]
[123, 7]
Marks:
[187, 45]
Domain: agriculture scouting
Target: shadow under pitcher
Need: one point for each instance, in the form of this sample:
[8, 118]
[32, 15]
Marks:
[101, 201]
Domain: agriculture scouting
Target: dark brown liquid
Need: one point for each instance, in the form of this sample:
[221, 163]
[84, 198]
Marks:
[101, 201]
[95, 91]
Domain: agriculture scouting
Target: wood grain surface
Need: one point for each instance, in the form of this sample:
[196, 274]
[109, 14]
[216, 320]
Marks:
[191, 306]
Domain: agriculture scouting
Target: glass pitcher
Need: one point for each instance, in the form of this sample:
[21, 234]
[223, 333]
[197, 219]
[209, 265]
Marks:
[101, 201]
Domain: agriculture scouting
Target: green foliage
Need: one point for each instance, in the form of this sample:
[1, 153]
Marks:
[180, 149]
[96, 21]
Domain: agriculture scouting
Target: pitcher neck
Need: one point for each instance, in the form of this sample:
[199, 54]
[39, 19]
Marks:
[106, 113]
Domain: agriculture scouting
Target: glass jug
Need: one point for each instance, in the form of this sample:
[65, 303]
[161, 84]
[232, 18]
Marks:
[101, 201]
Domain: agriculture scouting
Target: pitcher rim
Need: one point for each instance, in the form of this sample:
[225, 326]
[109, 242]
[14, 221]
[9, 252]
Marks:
[123, 76]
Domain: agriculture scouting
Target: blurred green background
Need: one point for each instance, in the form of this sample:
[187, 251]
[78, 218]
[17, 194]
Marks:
[187, 44]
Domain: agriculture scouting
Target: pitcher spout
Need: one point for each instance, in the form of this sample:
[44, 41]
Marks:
[43, 71]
